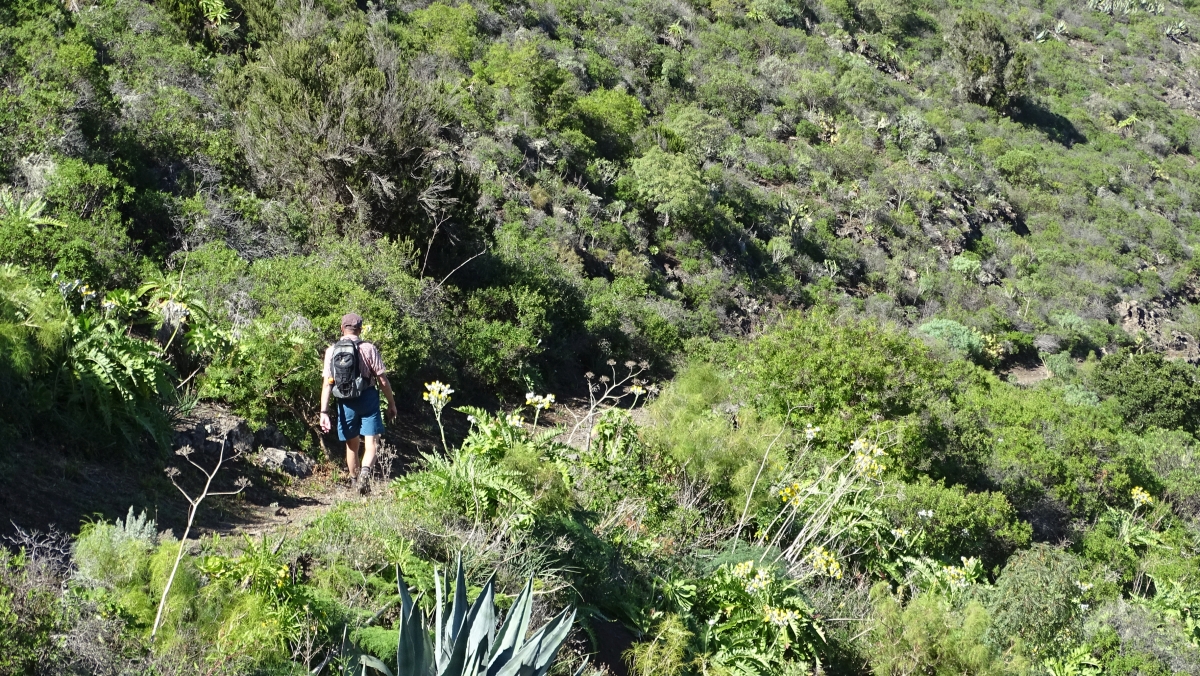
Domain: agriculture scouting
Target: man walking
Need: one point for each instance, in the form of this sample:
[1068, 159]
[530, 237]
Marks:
[352, 370]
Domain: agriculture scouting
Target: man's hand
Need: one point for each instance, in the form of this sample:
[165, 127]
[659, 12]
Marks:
[325, 426]
[392, 411]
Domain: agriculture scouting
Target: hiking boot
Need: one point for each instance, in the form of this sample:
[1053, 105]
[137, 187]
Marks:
[364, 482]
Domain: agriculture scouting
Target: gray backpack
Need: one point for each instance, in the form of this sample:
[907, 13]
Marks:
[345, 365]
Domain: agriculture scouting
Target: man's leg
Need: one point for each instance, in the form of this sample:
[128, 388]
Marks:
[352, 455]
[368, 460]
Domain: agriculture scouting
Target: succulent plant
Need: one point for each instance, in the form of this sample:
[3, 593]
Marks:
[465, 640]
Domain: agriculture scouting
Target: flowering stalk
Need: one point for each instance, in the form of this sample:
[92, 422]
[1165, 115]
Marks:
[539, 403]
[438, 394]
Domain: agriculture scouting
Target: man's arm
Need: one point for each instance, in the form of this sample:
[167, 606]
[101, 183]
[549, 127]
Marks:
[326, 388]
[386, 385]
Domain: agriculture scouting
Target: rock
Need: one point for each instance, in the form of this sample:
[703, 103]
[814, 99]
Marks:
[209, 429]
[270, 437]
[290, 462]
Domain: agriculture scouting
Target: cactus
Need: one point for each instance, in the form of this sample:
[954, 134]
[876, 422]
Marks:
[466, 642]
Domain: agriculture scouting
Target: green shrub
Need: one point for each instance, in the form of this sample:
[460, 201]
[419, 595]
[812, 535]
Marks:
[731, 447]
[948, 522]
[930, 636]
[31, 614]
[668, 183]
[611, 118]
[1151, 390]
[1038, 448]
[965, 340]
[1036, 604]
[856, 379]
[116, 555]
[991, 73]
[334, 93]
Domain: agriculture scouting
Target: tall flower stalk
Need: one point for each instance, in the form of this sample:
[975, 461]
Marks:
[438, 394]
[539, 403]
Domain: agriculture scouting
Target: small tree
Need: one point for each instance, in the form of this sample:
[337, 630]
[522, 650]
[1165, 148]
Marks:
[991, 72]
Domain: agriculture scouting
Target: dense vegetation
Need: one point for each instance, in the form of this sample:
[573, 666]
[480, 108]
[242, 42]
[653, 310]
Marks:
[791, 244]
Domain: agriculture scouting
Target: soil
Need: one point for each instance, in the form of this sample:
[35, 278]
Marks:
[1026, 374]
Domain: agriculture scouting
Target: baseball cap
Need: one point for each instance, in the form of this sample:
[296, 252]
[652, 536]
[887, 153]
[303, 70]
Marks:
[351, 320]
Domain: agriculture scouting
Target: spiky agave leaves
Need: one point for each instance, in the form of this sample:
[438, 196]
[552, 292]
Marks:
[466, 642]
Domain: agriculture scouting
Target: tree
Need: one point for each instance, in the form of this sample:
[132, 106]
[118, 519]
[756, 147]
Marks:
[1151, 390]
[669, 182]
[991, 72]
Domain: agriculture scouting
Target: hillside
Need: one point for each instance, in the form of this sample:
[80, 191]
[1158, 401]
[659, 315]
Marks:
[873, 327]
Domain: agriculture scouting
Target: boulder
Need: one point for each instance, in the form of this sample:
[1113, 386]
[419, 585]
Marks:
[290, 462]
[209, 429]
[270, 437]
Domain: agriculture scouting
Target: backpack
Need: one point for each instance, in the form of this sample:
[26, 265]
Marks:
[345, 365]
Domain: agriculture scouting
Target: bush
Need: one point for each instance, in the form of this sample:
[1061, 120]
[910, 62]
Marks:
[930, 636]
[960, 524]
[31, 613]
[115, 555]
[967, 341]
[854, 379]
[991, 74]
[698, 424]
[335, 93]
[1036, 603]
[1151, 390]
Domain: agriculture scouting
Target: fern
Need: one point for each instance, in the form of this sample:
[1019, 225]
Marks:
[471, 485]
[118, 377]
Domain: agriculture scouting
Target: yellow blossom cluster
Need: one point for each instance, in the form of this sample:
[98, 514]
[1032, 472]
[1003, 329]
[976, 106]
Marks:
[792, 495]
[542, 402]
[762, 579]
[866, 458]
[993, 347]
[780, 617]
[1141, 497]
[825, 563]
[743, 570]
[955, 576]
[437, 394]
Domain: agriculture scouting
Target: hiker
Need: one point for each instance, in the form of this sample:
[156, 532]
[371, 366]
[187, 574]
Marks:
[353, 367]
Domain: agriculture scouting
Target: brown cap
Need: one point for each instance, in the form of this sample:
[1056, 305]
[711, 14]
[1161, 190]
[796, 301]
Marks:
[352, 321]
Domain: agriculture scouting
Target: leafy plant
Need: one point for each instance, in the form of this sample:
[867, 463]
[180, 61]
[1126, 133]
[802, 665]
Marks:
[465, 639]
[471, 484]
[25, 209]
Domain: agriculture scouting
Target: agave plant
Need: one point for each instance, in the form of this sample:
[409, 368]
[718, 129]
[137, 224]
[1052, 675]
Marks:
[465, 640]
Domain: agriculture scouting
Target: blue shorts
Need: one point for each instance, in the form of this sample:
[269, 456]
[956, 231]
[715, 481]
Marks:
[359, 416]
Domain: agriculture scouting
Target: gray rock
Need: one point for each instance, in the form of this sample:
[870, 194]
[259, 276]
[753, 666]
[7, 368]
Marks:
[290, 462]
[209, 429]
[270, 437]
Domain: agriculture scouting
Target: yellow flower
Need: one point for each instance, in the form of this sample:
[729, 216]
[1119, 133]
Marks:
[1140, 497]
[543, 402]
[780, 617]
[793, 494]
[437, 394]
[760, 582]
[825, 563]
[866, 458]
